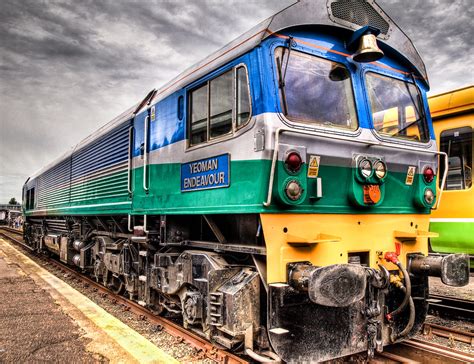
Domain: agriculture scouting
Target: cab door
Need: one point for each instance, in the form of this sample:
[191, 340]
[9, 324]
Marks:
[139, 165]
[140, 174]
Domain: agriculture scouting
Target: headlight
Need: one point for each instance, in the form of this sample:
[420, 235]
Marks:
[380, 169]
[293, 162]
[429, 196]
[365, 168]
[293, 190]
[428, 174]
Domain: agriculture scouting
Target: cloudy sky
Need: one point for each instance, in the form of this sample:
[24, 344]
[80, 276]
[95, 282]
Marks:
[67, 67]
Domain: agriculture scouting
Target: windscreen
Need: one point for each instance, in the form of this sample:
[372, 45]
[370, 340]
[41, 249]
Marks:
[315, 91]
[396, 108]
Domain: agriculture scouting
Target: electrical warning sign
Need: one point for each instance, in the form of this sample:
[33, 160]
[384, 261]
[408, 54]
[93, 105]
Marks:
[410, 175]
[313, 166]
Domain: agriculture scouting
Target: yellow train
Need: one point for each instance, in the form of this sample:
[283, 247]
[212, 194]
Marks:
[453, 121]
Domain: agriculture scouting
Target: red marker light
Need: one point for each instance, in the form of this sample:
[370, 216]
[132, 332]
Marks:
[428, 174]
[293, 162]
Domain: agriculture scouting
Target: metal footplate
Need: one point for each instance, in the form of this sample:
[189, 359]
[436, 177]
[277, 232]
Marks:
[216, 307]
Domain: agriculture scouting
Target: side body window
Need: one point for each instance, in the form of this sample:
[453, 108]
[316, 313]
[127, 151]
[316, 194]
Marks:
[219, 107]
[30, 199]
[457, 144]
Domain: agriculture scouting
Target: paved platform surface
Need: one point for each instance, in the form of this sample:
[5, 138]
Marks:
[42, 319]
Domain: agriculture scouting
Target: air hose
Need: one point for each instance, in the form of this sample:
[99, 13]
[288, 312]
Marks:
[406, 289]
[407, 299]
[409, 326]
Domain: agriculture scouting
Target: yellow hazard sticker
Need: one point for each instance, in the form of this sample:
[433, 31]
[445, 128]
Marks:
[410, 175]
[152, 113]
[313, 166]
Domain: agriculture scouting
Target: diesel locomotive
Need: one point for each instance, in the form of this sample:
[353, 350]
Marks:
[276, 195]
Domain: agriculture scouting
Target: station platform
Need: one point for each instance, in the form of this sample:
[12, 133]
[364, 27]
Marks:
[42, 319]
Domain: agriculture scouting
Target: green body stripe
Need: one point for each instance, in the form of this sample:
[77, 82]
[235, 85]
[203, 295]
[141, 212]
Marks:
[246, 193]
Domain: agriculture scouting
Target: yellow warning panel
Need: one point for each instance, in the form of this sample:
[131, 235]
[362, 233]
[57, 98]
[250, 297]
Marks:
[313, 166]
[410, 175]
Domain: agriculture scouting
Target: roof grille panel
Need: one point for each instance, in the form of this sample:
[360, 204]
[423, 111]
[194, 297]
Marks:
[355, 13]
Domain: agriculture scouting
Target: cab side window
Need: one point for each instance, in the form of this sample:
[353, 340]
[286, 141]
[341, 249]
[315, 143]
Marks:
[457, 144]
[219, 107]
[30, 199]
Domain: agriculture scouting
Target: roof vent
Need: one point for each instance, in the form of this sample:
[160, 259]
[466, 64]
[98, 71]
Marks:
[359, 13]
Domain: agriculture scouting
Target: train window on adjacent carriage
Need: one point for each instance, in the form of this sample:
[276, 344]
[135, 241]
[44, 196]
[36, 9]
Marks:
[316, 90]
[397, 111]
[457, 144]
[221, 104]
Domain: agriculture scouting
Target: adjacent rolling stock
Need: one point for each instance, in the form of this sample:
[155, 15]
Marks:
[453, 120]
[3, 217]
[276, 195]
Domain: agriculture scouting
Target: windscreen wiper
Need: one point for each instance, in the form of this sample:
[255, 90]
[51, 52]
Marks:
[407, 126]
[282, 74]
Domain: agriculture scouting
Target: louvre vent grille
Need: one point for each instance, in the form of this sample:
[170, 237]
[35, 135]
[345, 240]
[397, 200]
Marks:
[359, 12]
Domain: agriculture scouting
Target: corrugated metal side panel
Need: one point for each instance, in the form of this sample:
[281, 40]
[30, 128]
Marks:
[99, 169]
[53, 185]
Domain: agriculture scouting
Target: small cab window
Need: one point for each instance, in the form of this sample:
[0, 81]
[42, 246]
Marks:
[397, 110]
[457, 144]
[219, 106]
[30, 199]
[315, 90]
[180, 107]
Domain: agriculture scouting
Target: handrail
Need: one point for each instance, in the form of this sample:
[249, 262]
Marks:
[129, 174]
[144, 224]
[278, 131]
[443, 181]
[145, 154]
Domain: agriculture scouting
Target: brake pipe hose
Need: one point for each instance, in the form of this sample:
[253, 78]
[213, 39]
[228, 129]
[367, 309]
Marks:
[393, 258]
[409, 326]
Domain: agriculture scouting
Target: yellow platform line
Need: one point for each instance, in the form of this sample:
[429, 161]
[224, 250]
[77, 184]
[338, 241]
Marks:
[132, 347]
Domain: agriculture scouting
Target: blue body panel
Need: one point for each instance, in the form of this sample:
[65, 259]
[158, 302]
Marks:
[260, 62]
[111, 149]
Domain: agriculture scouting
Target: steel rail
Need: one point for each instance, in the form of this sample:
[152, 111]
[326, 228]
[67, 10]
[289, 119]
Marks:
[449, 333]
[439, 350]
[421, 351]
[204, 347]
[451, 307]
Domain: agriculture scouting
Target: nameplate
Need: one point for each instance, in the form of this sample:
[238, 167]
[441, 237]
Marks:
[205, 174]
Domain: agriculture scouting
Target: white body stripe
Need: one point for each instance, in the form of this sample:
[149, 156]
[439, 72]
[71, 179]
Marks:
[446, 219]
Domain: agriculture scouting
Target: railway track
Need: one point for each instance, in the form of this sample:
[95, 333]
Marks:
[205, 348]
[451, 307]
[448, 333]
[421, 351]
[409, 351]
